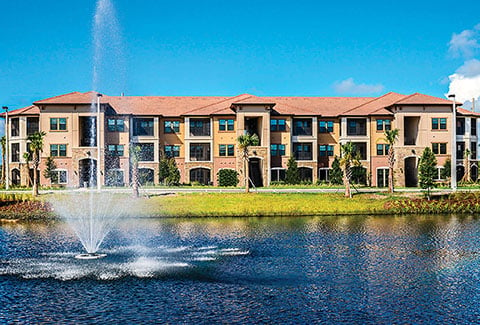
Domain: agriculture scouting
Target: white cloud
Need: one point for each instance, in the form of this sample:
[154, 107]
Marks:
[466, 43]
[465, 82]
[348, 86]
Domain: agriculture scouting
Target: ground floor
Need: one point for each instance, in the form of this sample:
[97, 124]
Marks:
[82, 172]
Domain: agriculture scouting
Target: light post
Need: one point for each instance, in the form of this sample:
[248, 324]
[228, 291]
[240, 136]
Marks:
[7, 172]
[99, 186]
[453, 166]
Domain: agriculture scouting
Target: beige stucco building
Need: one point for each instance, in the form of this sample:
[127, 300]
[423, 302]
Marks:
[201, 132]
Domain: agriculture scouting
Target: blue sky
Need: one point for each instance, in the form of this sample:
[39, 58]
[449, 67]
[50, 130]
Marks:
[267, 48]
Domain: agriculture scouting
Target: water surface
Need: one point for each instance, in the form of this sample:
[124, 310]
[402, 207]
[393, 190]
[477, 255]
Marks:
[268, 270]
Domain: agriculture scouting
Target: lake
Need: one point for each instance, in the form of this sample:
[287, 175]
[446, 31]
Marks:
[378, 269]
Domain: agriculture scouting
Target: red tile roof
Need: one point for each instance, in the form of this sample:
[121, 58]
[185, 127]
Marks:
[29, 110]
[421, 99]
[466, 112]
[376, 106]
[220, 105]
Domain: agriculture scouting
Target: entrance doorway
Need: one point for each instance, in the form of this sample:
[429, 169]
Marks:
[411, 172]
[255, 172]
[88, 172]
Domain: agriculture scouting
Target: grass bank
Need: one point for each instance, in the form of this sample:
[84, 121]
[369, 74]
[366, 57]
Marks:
[262, 204]
[25, 207]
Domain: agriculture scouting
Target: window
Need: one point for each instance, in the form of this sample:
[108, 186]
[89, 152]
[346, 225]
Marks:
[360, 149]
[278, 125]
[58, 150]
[277, 150]
[171, 126]
[439, 148]
[200, 175]
[439, 123]
[473, 126]
[172, 151]
[306, 174]
[460, 126]
[383, 125]
[15, 148]
[382, 149]
[114, 177]
[143, 126]
[323, 174]
[32, 125]
[382, 177]
[147, 151]
[115, 125]
[277, 174]
[439, 173]
[200, 127]
[227, 150]
[59, 177]
[473, 150]
[15, 123]
[226, 125]
[325, 126]
[356, 126]
[326, 150]
[200, 151]
[115, 150]
[58, 124]
[302, 151]
[460, 150]
[302, 126]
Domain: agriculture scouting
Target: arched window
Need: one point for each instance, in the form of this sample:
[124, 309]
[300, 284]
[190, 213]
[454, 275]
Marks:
[15, 176]
[305, 174]
[146, 176]
[200, 175]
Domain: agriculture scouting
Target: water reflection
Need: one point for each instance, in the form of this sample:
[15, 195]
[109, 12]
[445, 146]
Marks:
[332, 269]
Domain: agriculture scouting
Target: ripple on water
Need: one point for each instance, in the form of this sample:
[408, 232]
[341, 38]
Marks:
[122, 262]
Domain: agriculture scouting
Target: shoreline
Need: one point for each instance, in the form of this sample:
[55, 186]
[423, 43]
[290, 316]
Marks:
[262, 205]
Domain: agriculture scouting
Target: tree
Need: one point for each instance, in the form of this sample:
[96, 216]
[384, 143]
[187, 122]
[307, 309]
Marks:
[36, 147]
[348, 160]
[28, 157]
[466, 163]
[49, 171]
[292, 175]
[163, 170]
[134, 159]
[447, 169]
[173, 175]
[391, 137]
[246, 141]
[427, 170]
[336, 174]
[3, 142]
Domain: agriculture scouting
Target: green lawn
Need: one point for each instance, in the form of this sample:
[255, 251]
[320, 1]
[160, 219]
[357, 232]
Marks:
[261, 204]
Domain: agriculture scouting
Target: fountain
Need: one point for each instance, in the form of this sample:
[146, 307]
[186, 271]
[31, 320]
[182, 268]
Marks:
[92, 214]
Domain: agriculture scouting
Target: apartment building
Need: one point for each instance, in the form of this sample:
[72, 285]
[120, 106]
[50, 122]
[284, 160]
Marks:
[201, 132]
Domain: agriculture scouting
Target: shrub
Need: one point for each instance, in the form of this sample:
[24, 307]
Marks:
[227, 177]
[168, 172]
[292, 175]
[336, 174]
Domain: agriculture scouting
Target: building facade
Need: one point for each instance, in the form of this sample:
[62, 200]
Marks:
[201, 132]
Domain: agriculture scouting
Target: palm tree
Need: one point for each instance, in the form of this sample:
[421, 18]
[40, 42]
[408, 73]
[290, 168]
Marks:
[26, 157]
[36, 146]
[3, 143]
[245, 141]
[466, 163]
[348, 160]
[134, 159]
[391, 137]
